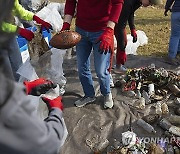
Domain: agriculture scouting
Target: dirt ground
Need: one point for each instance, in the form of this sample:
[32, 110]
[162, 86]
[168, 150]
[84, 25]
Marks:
[93, 124]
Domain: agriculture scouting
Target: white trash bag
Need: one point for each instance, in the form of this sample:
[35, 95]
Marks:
[52, 14]
[27, 71]
[131, 47]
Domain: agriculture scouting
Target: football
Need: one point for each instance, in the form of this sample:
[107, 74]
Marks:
[65, 39]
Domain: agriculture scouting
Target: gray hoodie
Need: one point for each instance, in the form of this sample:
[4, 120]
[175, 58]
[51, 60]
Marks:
[21, 131]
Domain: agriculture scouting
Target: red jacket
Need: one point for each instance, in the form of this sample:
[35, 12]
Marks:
[93, 15]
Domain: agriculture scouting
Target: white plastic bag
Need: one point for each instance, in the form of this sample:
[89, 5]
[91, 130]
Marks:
[131, 47]
[27, 72]
[56, 71]
[57, 6]
[51, 14]
[142, 38]
[128, 139]
[37, 4]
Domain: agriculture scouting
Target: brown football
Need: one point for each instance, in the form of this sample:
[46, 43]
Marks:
[65, 39]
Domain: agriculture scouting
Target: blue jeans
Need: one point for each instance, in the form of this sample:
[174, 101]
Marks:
[12, 58]
[175, 34]
[101, 63]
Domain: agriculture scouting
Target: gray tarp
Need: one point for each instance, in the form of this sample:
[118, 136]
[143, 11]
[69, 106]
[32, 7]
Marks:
[92, 124]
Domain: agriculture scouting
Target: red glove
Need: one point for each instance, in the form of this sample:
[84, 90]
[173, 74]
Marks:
[107, 40]
[38, 87]
[27, 34]
[43, 23]
[66, 26]
[134, 35]
[121, 57]
[57, 102]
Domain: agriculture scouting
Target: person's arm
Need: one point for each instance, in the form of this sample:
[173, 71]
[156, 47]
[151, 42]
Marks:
[115, 12]
[168, 6]
[132, 27]
[69, 12]
[23, 131]
[21, 12]
[131, 21]
[107, 37]
[9, 28]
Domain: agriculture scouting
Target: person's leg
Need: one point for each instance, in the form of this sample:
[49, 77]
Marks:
[121, 44]
[121, 37]
[14, 57]
[175, 34]
[101, 64]
[83, 51]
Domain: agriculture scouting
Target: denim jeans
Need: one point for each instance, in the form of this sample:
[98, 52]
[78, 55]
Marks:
[12, 58]
[175, 34]
[84, 48]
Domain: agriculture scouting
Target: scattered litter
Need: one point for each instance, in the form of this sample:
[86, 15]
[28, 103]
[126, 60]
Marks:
[146, 126]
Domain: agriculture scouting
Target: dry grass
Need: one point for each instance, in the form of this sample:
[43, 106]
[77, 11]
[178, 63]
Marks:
[58, 1]
[152, 21]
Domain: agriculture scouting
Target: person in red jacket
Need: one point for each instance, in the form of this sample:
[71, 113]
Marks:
[127, 15]
[95, 21]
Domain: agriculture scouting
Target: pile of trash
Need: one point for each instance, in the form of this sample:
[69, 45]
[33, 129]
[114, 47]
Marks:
[154, 88]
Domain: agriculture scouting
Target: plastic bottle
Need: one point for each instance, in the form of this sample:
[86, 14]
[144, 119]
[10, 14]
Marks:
[152, 66]
[151, 89]
[165, 124]
[174, 119]
[146, 126]
[174, 130]
[146, 97]
[138, 94]
[158, 108]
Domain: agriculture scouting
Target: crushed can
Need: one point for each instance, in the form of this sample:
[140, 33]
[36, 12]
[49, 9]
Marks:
[164, 108]
[151, 90]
